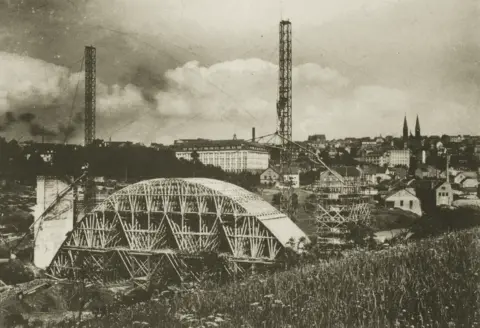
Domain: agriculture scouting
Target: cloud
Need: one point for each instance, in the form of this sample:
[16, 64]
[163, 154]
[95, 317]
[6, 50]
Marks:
[212, 102]
[168, 69]
[39, 99]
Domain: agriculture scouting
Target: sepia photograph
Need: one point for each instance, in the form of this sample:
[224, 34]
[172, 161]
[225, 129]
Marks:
[240, 163]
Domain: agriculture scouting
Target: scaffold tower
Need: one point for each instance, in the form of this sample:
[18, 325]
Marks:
[284, 102]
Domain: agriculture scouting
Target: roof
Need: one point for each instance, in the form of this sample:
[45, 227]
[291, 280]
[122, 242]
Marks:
[347, 171]
[441, 183]
[470, 174]
[373, 169]
[396, 191]
[465, 179]
[250, 204]
[270, 168]
[199, 143]
[374, 154]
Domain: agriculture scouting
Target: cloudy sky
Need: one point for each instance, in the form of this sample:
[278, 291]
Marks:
[208, 68]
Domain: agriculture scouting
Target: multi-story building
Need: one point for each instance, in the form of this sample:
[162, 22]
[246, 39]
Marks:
[376, 157]
[399, 157]
[341, 179]
[229, 155]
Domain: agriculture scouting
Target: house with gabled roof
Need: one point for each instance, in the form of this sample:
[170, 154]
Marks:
[270, 176]
[339, 177]
[404, 199]
[374, 174]
[443, 194]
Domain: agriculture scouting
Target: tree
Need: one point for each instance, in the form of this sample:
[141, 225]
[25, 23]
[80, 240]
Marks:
[276, 199]
[15, 272]
[303, 161]
[195, 156]
[360, 235]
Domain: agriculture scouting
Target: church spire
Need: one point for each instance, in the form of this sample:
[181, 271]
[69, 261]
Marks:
[405, 129]
[417, 128]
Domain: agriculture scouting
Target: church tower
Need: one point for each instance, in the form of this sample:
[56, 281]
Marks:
[417, 129]
[405, 131]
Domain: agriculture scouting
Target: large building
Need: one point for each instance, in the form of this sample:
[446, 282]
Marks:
[399, 157]
[230, 155]
[376, 158]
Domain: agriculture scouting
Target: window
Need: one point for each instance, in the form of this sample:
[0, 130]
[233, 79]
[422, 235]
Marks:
[411, 204]
[401, 203]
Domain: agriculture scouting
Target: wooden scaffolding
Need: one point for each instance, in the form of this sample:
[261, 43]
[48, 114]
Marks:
[161, 229]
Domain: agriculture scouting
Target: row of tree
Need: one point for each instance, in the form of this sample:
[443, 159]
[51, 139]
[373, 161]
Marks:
[130, 162]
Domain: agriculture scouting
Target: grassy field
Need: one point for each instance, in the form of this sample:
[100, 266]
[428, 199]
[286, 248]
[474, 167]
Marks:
[432, 283]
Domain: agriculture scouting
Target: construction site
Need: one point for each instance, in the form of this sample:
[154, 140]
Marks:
[161, 230]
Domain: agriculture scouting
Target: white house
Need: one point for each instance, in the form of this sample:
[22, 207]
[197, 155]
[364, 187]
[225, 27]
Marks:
[444, 194]
[404, 199]
[269, 176]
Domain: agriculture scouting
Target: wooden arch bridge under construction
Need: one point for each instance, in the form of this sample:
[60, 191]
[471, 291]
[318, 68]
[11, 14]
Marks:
[158, 229]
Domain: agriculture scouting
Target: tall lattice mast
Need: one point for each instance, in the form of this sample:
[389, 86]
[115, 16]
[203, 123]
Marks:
[284, 103]
[90, 97]
[90, 94]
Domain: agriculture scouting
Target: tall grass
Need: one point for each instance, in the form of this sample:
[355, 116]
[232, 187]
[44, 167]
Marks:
[432, 283]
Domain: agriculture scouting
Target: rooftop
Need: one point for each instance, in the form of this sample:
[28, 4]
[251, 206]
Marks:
[201, 143]
[347, 171]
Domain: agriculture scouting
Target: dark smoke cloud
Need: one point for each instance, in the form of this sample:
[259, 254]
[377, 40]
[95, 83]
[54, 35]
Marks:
[150, 81]
[35, 129]
[56, 31]
[9, 118]
[38, 130]
[26, 117]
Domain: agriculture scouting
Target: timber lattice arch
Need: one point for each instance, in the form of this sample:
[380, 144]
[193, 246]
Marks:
[158, 229]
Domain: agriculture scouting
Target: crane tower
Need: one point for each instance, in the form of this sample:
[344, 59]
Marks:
[90, 94]
[284, 102]
[90, 97]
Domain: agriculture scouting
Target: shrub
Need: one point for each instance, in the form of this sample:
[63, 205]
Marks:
[15, 272]
[446, 220]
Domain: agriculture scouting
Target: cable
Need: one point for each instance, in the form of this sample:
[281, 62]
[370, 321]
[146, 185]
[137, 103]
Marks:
[73, 101]
[135, 36]
[61, 195]
[335, 174]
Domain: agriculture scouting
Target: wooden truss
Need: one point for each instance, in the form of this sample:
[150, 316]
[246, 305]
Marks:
[332, 215]
[158, 229]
